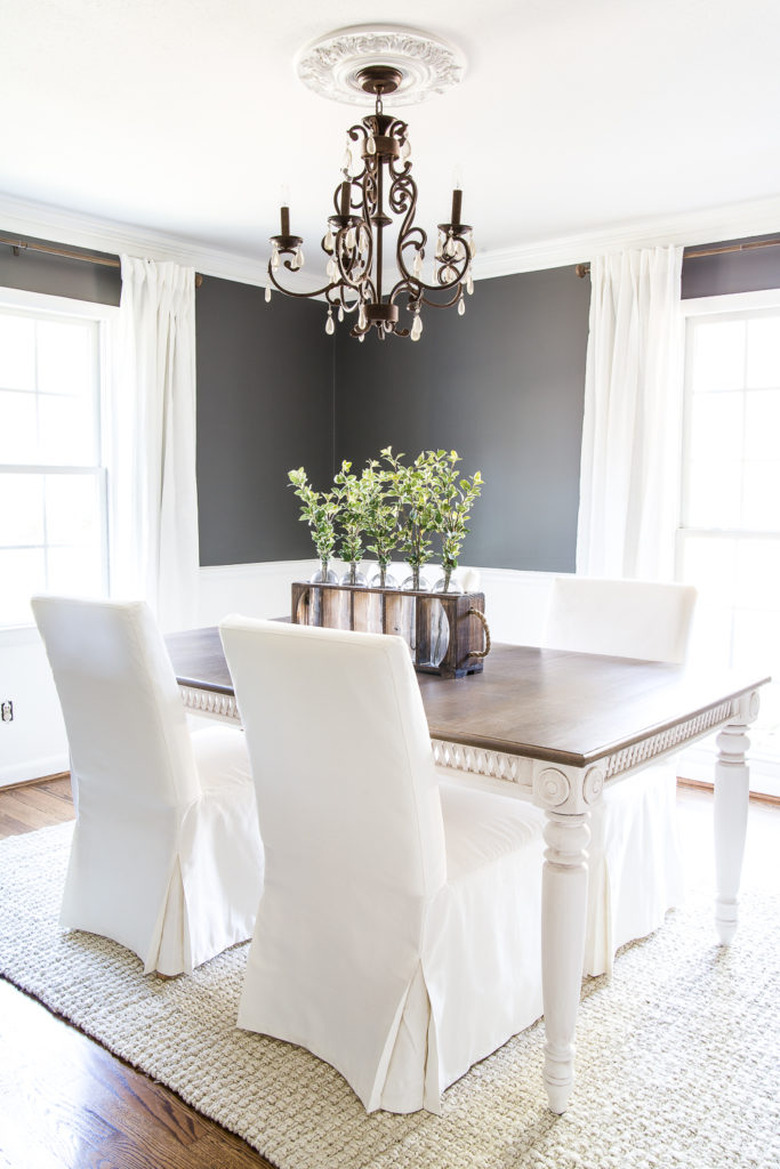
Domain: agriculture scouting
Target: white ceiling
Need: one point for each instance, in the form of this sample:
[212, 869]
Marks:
[575, 118]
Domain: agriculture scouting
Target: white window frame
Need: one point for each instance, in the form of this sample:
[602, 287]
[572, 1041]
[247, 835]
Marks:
[44, 304]
[765, 773]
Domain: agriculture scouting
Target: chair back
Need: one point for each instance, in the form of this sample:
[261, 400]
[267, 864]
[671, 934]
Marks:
[347, 794]
[127, 731]
[647, 620]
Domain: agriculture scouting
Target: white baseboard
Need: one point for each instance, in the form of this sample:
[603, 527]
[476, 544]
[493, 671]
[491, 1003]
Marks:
[33, 769]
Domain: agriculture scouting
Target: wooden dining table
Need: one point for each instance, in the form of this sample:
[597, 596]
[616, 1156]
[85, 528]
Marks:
[562, 726]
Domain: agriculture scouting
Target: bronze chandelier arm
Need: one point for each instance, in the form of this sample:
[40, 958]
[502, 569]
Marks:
[298, 295]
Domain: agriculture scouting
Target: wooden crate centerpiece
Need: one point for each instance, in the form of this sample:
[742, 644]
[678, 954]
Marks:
[446, 632]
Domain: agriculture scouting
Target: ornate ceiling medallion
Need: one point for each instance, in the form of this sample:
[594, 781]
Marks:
[332, 65]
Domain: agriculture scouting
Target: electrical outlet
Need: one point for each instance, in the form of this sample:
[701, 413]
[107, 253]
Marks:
[7, 711]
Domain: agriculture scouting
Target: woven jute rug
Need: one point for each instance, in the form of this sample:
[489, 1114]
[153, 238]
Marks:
[678, 1054]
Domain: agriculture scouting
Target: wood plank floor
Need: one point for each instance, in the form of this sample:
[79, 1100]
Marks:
[66, 1103]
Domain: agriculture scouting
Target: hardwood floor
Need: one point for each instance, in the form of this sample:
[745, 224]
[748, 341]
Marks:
[28, 806]
[67, 1103]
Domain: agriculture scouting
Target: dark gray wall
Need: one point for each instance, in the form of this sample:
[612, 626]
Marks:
[740, 271]
[503, 385]
[59, 276]
[265, 405]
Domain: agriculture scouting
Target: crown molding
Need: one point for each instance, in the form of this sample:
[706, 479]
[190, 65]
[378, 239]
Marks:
[709, 225]
[103, 235]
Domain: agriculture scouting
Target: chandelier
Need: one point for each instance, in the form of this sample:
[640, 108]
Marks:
[374, 275]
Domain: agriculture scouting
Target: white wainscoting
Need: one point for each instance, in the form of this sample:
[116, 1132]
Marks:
[34, 744]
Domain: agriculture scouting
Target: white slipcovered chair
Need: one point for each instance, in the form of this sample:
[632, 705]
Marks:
[166, 856]
[634, 870]
[398, 935]
[634, 865]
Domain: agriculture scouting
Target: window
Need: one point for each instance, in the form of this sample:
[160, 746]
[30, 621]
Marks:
[729, 537]
[53, 528]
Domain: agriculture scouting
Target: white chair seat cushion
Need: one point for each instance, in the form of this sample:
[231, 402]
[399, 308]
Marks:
[634, 862]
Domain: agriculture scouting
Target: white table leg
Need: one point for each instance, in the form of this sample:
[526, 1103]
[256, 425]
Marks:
[731, 808]
[564, 905]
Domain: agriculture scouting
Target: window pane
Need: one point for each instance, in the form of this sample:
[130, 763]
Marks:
[762, 424]
[18, 427]
[714, 495]
[763, 352]
[716, 425]
[52, 526]
[17, 352]
[761, 497]
[757, 641]
[709, 563]
[72, 509]
[711, 637]
[21, 575]
[21, 510]
[77, 571]
[67, 431]
[66, 357]
[758, 574]
[718, 356]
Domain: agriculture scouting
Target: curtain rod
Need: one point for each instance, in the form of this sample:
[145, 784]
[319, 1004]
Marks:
[18, 245]
[699, 253]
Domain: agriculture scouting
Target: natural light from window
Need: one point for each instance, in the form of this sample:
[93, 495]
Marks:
[729, 538]
[52, 477]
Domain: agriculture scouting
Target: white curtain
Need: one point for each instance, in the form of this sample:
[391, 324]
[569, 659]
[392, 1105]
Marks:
[154, 542]
[629, 477]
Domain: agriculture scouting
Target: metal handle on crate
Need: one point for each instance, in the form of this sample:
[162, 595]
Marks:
[480, 653]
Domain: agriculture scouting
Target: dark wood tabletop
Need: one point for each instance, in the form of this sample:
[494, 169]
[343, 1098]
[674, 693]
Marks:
[561, 707]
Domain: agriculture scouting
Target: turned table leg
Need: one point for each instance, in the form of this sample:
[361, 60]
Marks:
[564, 903]
[732, 788]
[567, 795]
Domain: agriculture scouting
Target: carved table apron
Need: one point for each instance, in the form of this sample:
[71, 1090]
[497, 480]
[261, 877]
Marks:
[559, 726]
